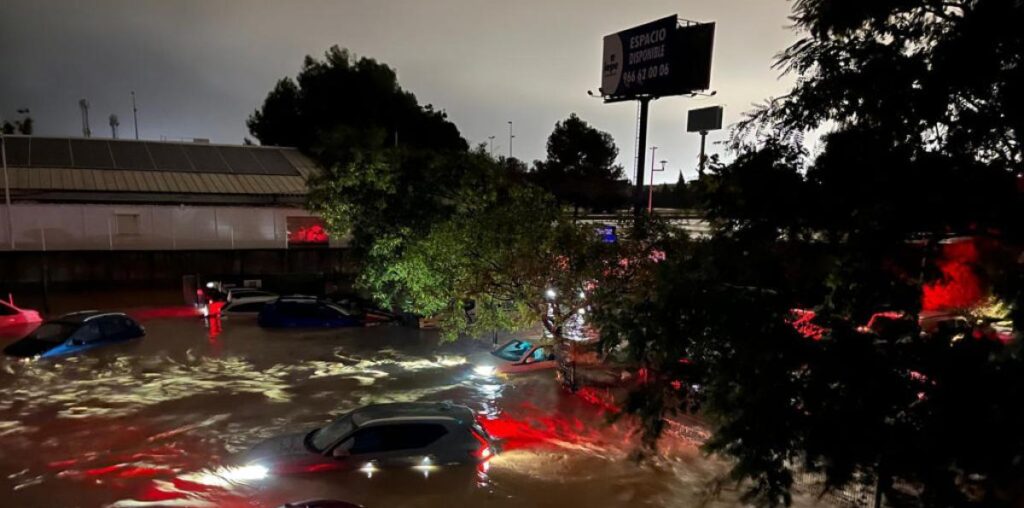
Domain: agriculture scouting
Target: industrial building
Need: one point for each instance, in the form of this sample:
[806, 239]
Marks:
[144, 211]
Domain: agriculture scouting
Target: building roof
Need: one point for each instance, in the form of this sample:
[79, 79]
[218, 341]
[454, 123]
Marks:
[63, 168]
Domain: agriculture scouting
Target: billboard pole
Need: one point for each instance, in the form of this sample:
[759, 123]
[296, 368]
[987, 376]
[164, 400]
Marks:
[641, 149]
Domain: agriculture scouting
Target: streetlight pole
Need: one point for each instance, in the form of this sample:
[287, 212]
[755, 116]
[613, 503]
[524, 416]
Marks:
[650, 195]
[650, 186]
[510, 136]
[7, 189]
[491, 149]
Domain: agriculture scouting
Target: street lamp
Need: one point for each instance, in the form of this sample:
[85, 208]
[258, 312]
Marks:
[7, 181]
[650, 195]
[510, 136]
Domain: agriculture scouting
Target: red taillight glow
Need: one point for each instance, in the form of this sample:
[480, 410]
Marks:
[484, 452]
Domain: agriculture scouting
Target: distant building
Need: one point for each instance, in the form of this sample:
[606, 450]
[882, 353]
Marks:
[83, 194]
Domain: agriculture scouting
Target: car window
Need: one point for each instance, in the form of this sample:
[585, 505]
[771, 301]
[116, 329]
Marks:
[514, 350]
[389, 438]
[302, 310]
[326, 436]
[89, 332]
[53, 332]
[539, 355]
[112, 327]
[246, 307]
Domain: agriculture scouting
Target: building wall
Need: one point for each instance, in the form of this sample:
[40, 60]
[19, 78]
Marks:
[87, 227]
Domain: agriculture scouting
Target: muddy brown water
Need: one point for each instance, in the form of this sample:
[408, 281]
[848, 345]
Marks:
[158, 422]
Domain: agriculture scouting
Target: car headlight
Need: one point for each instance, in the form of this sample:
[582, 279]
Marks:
[484, 370]
[245, 473]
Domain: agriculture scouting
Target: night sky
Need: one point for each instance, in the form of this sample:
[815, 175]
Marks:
[199, 68]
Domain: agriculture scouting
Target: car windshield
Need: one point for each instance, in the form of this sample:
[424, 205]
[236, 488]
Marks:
[53, 332]
[514, 350]
[323, 437]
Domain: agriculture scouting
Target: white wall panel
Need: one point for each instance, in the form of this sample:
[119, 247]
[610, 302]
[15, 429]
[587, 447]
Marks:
[161, 227]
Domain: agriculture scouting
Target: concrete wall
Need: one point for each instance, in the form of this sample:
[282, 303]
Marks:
[84, 227]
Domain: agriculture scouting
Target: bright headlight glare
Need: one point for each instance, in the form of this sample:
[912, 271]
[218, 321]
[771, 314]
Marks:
[246, 473]
[483, 370]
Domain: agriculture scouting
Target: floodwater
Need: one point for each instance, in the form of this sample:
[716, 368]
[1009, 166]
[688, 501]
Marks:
[157, 422]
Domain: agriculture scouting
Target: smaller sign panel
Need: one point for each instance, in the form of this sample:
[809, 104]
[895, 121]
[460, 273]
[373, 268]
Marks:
[307, 231]
[704, 119]
[606, 233]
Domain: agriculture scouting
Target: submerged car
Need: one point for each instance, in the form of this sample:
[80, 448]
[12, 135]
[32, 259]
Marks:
[368, 309]
[305, 312]
[235, 293]
[407, 434]
[516, 356]
[246, 305]
[75, 333]
[15, 321]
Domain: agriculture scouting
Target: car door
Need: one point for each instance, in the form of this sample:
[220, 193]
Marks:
[391, 445]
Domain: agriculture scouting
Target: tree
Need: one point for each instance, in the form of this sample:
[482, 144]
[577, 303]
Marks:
[499, 254]
[924, 147]
[341, 103]
[23, 126]
[580, 169]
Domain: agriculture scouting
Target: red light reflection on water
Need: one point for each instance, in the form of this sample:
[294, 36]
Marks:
[538, 429]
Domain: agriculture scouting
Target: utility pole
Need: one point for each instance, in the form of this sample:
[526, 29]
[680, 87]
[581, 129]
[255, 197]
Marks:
[510, 136]
[491, 149]
[135, 116]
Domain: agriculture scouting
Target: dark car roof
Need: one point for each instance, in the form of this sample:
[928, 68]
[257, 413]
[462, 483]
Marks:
[77, 318]
[374, 412]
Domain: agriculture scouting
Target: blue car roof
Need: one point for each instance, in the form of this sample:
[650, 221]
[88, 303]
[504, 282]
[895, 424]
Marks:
[80, 317]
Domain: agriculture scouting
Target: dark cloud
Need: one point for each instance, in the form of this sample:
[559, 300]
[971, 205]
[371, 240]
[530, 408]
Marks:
[200, 67]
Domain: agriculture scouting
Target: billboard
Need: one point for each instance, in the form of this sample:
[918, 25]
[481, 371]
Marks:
[306, 231]
[657, 59]
[704, 119]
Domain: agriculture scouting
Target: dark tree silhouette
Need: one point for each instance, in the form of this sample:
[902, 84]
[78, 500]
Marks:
[924, 151]
[342, 103]
[580, 168]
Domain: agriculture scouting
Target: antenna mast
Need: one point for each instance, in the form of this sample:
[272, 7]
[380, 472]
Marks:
[114, 122]
[84, 104]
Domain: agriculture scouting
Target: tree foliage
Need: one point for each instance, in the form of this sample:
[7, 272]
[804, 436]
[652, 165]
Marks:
[923, 147]
[580, 168]
[342, 103]
[489, 265]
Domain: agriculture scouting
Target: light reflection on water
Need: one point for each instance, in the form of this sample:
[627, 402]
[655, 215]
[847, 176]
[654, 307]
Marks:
[156, 424]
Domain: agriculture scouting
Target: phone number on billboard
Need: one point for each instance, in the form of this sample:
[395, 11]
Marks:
[641, 75]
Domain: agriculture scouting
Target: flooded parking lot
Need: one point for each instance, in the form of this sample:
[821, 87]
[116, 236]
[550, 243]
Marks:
[158, 422]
